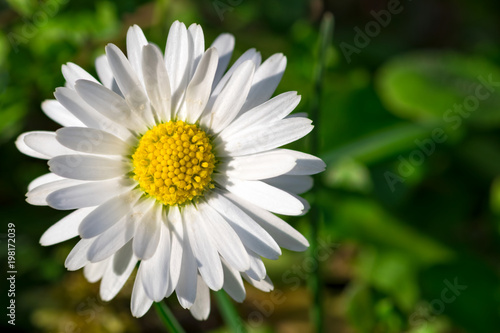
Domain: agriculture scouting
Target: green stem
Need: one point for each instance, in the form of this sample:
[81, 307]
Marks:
[168, 318]
[315, 283]
[229, 313]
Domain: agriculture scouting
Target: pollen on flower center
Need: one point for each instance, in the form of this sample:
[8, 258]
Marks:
[174, 162]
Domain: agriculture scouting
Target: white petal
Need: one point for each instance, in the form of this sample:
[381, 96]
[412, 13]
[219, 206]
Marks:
[264, 284]
[209, 264]
[58, 113]
[155, 270]
[186, 286]
[284, 234]
[266, 137]
[233, 284]
[177, 238]
[77, 258]
[92, 141]
[224, 238]
[117, 272]
[66, 228]
[112, 240]
[201, 307]
[86, 167]
[267, 113]
[200, 87]
[73, 72]
[266, 79]
[44, 179]
[135, 41]
[293, 184]
[197, 45]
[148, 232]
[258, 166]
[110, 105]
[105, 74]
[251, 234]
[251, 55]
[257, 269]
[38, 195]
[305, 164]
[107, 214]
[224, 44]
[93, 271]
[178, 59]
[156, 81]
[263, 195]
[230, 99]
[140, 303]
[41, 144]
[129, 84]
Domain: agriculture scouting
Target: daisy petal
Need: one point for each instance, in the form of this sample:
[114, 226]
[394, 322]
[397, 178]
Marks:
[86, 167]
[293, 184]
[284, 234]
[257, 269]
[92, 141]
[58, 113]
[261, 138]
[197, 45]
[156, 81]
[77, 258]
[44, 179]
[204, 250]
[140, 303]
[155, 270]
[263, 195]
[265, 284]
[148, 232]
[111, 240]
[177, 239]
[251, 55]
[266, 79]
[73, 72]
[250, 233]
[107, 214]
[129, 84]
[305, 164]
[117, 272]
[105, 74]
[93, 272]
[186, 286]
[201, 307]
[66, 228]
[224, 44]
[267, 113]
[135, 42]
[233, 284]
[231, 98]
[225, 238]
[110, 105]
[259, 166]
[199, 89]
[41, 144]
[38, 195]
[178, 61]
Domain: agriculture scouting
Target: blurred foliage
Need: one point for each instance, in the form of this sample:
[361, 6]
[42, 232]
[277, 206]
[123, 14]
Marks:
[410, 200]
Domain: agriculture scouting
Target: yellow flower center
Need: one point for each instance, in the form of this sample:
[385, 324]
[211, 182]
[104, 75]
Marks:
[174, 162]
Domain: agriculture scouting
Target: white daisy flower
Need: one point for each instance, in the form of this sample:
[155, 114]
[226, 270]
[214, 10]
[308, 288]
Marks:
[172, 163]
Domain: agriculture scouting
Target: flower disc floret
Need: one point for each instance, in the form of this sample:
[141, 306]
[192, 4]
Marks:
[174, 162]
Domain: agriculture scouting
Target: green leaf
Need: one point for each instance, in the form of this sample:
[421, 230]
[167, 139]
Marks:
[435, 85]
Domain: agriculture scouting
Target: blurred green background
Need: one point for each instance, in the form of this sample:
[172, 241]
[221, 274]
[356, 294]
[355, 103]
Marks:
[409, 128]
